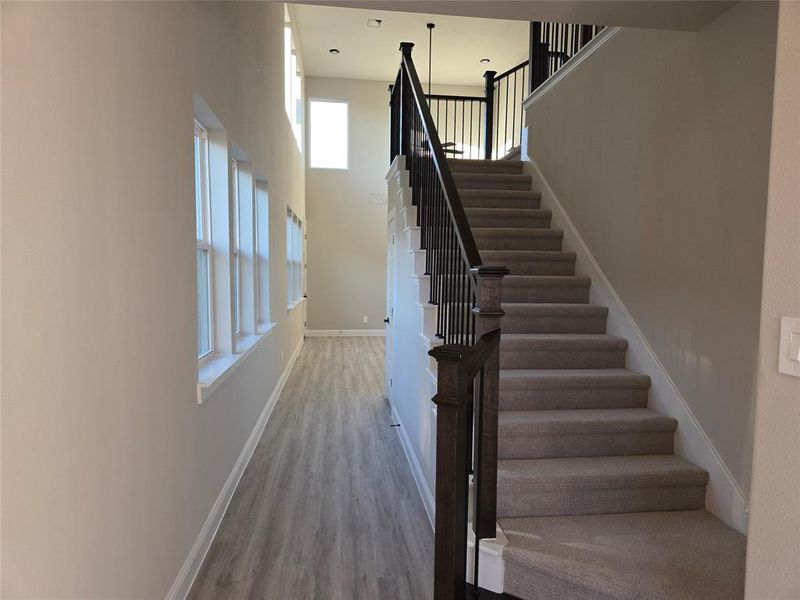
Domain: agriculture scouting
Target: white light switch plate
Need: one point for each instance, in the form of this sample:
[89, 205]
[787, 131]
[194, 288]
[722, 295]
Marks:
[788, 362]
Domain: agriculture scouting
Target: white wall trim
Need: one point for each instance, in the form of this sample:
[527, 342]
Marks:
[186, 576]
[345, 332]
[594, 44]
[724, 497]
[416, 469]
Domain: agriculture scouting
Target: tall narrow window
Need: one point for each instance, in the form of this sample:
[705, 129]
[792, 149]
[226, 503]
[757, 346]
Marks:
[292, 82]
[237, 277]
[262, 253]
[328, 134]
[202, 219]
[294, 258]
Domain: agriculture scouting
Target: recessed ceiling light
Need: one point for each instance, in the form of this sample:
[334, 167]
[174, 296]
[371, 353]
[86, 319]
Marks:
[485, 60]
[334, 51]
[374, 22]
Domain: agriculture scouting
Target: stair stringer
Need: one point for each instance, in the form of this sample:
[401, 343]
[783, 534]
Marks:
[724, 497]
[415, 372]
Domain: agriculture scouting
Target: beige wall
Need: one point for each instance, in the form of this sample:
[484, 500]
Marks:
[658, 147]
[773, 559]
[109, 465]
[346, 228]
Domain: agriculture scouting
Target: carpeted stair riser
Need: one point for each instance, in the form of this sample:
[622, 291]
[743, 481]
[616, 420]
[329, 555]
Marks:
[466, 165]
[528, 262]
[579, 445]
[574, 433]
[604, 501]
[571, 399]
[524, 580]
[498, 238]
[615, 484]
[492, 181]
[554, 318]
[674, 555]
[572, 290]
[525, 218]
[520, 351]
[500, 199]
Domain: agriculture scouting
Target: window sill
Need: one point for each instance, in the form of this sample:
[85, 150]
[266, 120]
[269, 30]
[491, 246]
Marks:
[219, 367]
[295, 304]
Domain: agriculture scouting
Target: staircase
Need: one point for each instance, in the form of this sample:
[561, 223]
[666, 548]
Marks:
[593, 501]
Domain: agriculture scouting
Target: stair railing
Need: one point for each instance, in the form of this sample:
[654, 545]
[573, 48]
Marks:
[552, 45]
[490, 126]
[467, 296]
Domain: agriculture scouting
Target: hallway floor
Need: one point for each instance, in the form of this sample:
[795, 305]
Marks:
[327, 507]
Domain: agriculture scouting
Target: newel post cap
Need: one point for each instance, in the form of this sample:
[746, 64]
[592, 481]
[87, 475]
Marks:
[406, 47]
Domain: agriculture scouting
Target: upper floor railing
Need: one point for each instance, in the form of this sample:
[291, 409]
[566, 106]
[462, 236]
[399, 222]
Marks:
[490, 126]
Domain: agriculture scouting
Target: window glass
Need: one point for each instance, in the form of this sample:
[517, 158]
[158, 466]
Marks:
[328, 134]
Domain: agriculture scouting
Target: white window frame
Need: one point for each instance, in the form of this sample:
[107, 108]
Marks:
[228, 228]
[236, 244]
[204, 241]
[261, 258]
[311, 128]
[294, 259]
[292, 81]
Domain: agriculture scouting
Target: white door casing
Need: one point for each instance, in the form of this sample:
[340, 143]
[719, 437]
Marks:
[391, 246]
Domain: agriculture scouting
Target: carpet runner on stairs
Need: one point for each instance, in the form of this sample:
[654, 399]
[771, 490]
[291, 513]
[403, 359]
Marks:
[590, 495]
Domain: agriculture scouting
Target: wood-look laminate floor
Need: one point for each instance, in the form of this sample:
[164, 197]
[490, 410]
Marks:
[327, 507]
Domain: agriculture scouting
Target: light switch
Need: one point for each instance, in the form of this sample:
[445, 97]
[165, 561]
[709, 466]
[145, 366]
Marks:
[789, 352]
[794, 346]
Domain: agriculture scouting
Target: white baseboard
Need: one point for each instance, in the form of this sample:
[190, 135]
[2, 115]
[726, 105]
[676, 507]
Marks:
[416, 469]
[183, 582]
[345, 333]
[724, 497]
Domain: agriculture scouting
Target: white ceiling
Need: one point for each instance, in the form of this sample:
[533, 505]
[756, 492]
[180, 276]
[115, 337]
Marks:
[690, 15]
[459, 43]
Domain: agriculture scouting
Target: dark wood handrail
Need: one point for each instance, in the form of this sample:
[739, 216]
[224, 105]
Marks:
[453, 97]
[466, 240]
[467, 298]
[508, 72]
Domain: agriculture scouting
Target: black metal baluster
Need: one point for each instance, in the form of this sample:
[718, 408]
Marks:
[463, 106]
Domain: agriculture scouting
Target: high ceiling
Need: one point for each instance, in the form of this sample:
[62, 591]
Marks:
[459, 44]
[689, 15]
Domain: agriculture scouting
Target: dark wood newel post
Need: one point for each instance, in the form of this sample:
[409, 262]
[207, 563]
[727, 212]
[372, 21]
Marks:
[488, 122]
[406, 108]
[452, 460]
[489, 313]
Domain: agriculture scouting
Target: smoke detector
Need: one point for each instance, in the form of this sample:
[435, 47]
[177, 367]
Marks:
[374, 22]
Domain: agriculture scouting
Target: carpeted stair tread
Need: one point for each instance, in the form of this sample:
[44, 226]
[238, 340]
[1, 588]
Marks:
[554, 309]
[546, 288]
[533, 255]
[492, 181]
[562, 351]
[467, 165]
[679, 555]
[547, 317]
[584, 433]
[564, 341]
[517, 238]
[509, 212]
[599, 472]
[517, 232]
[500, 198]
[554, 422]
[572, 378]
